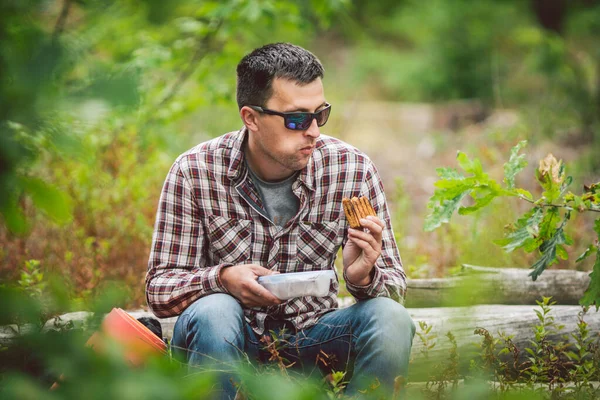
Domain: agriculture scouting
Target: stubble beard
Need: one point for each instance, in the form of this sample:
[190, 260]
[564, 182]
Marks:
[288, 161]
[292, 162]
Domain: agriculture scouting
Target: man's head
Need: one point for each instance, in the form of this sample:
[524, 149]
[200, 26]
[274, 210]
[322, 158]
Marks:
[282, 104]
[257, 70]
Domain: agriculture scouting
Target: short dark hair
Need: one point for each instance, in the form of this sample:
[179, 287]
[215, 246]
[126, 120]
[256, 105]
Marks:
[257, 70]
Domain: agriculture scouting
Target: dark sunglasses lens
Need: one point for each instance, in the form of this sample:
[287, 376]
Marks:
[323, 116]
[298, 121]
[302, 121]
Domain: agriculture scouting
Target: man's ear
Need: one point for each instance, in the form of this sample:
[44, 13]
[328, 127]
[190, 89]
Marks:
[249, 118]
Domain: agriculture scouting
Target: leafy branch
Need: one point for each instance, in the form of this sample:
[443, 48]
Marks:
[203, 48]
[62, 20]
[541, 229]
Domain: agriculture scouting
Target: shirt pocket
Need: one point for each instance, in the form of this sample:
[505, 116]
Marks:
[230, 239]
[317, 242]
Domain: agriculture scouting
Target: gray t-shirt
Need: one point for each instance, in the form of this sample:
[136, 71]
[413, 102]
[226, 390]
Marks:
[281, 204]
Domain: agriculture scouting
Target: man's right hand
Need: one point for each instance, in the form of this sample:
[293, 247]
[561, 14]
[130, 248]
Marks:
[240, 281]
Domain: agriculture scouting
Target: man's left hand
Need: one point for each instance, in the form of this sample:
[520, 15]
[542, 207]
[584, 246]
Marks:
[362, 251]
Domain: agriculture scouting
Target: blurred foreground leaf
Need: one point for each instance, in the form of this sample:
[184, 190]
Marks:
[48, 198]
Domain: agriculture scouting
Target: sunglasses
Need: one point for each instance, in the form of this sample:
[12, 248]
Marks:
[299, 121]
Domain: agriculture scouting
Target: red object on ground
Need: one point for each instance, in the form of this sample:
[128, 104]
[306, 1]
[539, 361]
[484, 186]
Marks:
[139, 343]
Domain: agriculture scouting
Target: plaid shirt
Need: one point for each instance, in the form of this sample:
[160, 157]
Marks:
[210, 216]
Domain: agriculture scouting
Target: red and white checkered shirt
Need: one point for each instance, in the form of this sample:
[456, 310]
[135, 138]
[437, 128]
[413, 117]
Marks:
[210, 216]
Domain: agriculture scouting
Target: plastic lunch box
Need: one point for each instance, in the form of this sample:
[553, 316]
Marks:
[297, 284]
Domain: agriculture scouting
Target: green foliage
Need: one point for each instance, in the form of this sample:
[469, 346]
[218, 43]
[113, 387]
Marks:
[552, 367]
[515, 164]
[32, 278]
[338, 384]
[426, 337]
[551, 248]
[541, 229]
[592, 294]
[584, 357]
[453, 186]
[97, 100]
[524, 232]
[445, 375]
[443, 50]
[53, 202]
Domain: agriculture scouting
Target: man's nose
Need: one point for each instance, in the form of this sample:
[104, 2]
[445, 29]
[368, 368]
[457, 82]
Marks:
[313, 129]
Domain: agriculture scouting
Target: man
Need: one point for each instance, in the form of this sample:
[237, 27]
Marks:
[268, 199]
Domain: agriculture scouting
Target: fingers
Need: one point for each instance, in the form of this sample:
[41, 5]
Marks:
[240, 281]
[370, 248]
[262, 293]
[254, 294]
[261, 271]
[374, 224]
[374, 231]
[369, 242]
[373, 239]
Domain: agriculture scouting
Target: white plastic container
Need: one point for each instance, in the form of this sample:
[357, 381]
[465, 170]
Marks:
[297, 284]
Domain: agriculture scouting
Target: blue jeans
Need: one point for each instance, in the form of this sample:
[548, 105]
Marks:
[370, 339]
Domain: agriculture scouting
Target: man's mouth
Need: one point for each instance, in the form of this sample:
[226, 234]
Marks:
[307, 150]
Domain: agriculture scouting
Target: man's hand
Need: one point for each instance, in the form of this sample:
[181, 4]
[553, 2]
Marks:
[362, 251]
[240, 281]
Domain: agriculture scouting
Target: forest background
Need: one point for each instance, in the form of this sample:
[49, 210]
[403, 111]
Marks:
[97, 99]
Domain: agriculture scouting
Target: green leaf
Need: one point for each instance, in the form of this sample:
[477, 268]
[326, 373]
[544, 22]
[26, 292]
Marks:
[479, 203]
[471, 166]
[565, 185]
[449, 173]
[449, 188]
[13, 216]
[442, 212]
[525, 230]
[577, 202]
[568, 240]
[549, 249]
[562, 253]
[572, 356]
[52, 201]
[592, 294]
[548, 225]
[515, 164]
[10, 211]
[523, 193]
[586, 253]
[452, 187]
[530, 351]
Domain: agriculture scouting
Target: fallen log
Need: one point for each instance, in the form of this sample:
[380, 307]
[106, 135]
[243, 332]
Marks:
[483, 285]
[516, 321]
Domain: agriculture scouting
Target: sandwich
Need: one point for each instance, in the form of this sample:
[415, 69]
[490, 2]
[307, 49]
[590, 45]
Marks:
[357, 208]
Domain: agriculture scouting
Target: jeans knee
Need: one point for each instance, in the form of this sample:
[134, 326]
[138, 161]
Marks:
[388, 315]
[215, 313]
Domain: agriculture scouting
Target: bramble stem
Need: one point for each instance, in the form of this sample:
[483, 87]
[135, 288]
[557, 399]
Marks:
[566, 207]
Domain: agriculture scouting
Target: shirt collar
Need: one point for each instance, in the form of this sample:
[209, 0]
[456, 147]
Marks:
[237, 166]
[236, 146]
